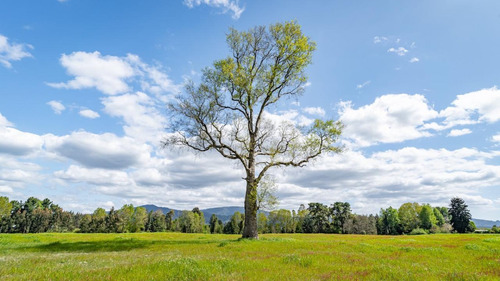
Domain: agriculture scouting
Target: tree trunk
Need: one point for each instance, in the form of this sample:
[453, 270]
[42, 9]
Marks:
[250, 227]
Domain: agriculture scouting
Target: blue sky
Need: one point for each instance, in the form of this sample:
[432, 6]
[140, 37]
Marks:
[84, 86]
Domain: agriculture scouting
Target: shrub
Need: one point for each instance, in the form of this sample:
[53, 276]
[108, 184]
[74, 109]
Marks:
[418, 231]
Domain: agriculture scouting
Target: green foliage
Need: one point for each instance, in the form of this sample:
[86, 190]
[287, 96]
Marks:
[281, 221]
[169, 220]
[460, 215]
[156, 222]
[361, 224]
[317, 220]
[388, 222]
[408, 215]
[418, 231]
[138, 220]
[340, 212]
[235, 224]
[262, 223]
[440, 220]
[495, 229]
[5, 207]
[427, 218]
[471, 227]
[191, 221]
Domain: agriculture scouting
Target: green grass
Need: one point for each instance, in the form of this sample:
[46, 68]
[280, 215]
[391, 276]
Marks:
[177, 256]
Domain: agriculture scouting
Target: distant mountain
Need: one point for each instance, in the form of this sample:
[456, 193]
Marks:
[485, 223]
[222, 213]
[165, 210]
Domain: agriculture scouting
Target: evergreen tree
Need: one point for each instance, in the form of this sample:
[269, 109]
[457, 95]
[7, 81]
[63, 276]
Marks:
[460, 215]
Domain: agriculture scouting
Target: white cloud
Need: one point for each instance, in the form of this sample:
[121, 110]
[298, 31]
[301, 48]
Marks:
[105, 151]
[94, 176]
[16, 142]
[152, 78]
[401, 51]
[394, 177]
[379, 39]
[315, 111]
[106, 73]
[226, 5]
[5, 189]
[361, 86]
[87, 113]
[456, 133]
[496, 138]
[414, 59]
[16, 174]
[12, 52]
[113, 75]
[56, 106]
[389, 119]
[4, 122]
[144, 122]
[473, 107]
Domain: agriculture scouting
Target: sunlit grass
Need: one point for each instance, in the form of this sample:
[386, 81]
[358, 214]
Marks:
[177, 256]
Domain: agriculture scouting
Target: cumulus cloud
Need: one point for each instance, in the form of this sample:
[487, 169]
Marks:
[143, 120]
[56, 106]
[15, 174]
[394, 177]
[16, 142]
[12, 52]
[87, 113]
[112, 75]
[400, 51]
[93, 70]
[314, 111]
[456, 133]
[226, 6]
[473, 107]
[105, 151]
[389, 119]
[94, 176]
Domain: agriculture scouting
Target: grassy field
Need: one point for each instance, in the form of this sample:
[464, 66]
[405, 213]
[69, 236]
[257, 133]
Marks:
[176, 256]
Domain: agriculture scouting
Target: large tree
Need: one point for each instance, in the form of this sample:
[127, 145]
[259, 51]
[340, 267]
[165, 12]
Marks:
[229, 110]
[460, 215]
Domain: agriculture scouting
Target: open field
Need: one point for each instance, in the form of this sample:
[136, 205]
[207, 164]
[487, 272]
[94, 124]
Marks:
[177, 256]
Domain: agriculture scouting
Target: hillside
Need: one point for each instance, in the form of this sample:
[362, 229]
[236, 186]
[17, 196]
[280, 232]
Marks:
[485, 223]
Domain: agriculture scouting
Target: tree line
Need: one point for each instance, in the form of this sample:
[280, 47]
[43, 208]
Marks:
[35, 216]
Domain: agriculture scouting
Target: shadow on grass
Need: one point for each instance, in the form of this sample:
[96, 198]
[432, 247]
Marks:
[114, 245]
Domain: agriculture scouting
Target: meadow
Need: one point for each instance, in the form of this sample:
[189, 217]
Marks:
[180, 256]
